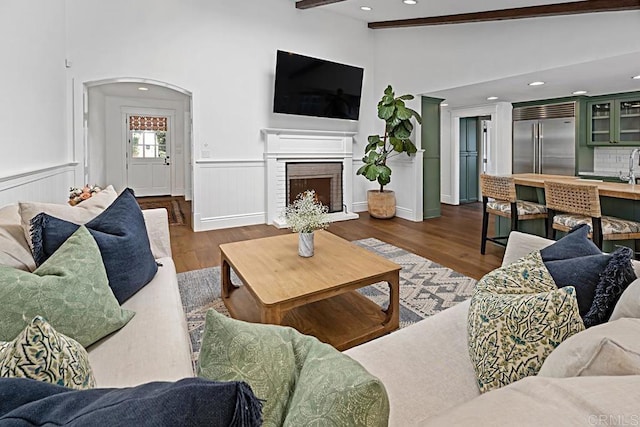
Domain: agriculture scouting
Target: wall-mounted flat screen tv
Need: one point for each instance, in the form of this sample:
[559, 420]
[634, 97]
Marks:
[314, 87]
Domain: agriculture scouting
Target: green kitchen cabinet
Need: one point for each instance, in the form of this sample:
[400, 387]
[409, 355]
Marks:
[614, 121]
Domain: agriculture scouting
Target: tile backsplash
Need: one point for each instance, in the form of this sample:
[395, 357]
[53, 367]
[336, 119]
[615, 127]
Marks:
[612, 159]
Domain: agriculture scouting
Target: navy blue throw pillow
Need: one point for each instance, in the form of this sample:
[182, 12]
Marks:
[615, 278]
[583, 273]
[188, 402]
[576, 261]
[573, 245]
[121, 235]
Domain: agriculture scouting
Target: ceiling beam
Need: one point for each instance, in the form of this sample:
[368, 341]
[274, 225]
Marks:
[591, 6]
[308, 4]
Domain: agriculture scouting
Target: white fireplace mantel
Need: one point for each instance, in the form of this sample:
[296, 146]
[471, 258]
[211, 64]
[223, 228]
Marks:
[297, 145]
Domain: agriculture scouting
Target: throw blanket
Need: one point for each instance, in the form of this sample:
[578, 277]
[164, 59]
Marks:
[188, 402]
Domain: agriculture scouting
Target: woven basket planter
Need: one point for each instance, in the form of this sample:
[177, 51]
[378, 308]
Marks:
[382, 205]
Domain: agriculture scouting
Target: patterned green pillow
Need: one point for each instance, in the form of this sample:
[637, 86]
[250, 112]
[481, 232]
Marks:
[301, 380]
[40, 353]
[516, 318]
[70, 290]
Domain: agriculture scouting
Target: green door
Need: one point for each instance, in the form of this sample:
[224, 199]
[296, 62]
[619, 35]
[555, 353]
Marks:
[430, 130]
[469, 159]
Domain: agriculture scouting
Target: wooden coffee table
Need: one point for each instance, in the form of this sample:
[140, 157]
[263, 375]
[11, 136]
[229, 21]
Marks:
[315, 295]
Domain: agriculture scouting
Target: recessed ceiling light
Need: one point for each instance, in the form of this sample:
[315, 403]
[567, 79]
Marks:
[409, 2]
[492, 98]
[143, 88]
[365, 8]
[579, 92]
[444, 105]
[636, 77]
[536, 83]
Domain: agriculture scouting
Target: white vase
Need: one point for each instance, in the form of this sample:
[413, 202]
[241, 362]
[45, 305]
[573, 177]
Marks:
[305, 244]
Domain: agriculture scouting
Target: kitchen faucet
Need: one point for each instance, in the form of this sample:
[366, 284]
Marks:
[631, 178]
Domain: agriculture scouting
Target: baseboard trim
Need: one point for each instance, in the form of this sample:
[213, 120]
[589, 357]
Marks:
[360, 206]
[215, 223]
[406, 213]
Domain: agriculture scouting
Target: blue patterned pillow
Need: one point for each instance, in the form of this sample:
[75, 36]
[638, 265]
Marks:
[40, 353]
[121, 235]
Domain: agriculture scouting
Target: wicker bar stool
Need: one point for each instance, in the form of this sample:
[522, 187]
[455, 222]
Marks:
[499, 198]
[572, 204]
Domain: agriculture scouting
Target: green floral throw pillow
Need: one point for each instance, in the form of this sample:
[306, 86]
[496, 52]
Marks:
[516, 318]
[40, 353]
[301, 380]
[70, 290]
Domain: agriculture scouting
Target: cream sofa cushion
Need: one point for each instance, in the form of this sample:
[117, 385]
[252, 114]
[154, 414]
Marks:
[154, 345]
[79, 214]
[540, 401]
[611, 348]
[629, 303]
[14, 249]
[425, 367]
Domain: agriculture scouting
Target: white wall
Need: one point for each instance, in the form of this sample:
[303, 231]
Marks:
[446, 56]
[97, 138]
[33, 86]
[224, 53]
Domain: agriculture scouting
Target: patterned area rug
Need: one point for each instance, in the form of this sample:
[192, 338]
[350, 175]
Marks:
[176, 217]
[425, 289]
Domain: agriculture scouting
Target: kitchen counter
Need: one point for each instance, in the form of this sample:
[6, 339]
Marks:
[607, 189]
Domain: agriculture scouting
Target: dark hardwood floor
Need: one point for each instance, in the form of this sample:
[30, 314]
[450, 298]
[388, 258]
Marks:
[452, 240]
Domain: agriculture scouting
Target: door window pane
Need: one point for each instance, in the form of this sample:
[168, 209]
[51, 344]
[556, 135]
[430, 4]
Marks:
[148, 137]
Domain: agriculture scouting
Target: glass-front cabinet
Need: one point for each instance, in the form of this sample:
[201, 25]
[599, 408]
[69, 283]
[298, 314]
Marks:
[614, 121]
[629, 121]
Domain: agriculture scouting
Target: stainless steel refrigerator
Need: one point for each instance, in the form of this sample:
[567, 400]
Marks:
[544, 139]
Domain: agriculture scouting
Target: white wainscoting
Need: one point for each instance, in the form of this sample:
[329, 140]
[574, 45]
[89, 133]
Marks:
[232, 193]
[49, 185]
[228, 193]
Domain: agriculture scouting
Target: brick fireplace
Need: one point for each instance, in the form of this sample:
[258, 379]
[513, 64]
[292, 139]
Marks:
[297, 160]
[325, 178]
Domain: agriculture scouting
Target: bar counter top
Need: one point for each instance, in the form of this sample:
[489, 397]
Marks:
[616, 190]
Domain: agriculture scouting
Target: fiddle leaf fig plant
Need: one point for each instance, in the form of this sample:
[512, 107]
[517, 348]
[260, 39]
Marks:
[398, 127]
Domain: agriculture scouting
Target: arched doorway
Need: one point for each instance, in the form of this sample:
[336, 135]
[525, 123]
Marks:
[138, 135]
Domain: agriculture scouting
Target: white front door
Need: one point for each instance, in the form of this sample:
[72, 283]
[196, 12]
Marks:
[148, 148]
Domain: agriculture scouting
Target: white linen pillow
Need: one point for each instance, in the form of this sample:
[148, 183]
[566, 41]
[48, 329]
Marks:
[610, 348]
[14, 250]
[629, 303]
[79, 214]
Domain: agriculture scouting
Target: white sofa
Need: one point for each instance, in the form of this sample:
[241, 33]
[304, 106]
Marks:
[425, 367]
[430, 380]
[154, 345]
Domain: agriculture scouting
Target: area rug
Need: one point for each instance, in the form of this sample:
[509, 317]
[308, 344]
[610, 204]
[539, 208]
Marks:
[176, 217]
[425, 289]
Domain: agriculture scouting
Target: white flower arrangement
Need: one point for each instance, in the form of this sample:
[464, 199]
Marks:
[77, 194]
[306, 214]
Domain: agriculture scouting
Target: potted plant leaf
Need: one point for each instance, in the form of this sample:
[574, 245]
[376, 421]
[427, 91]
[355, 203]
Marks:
[380, 148]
